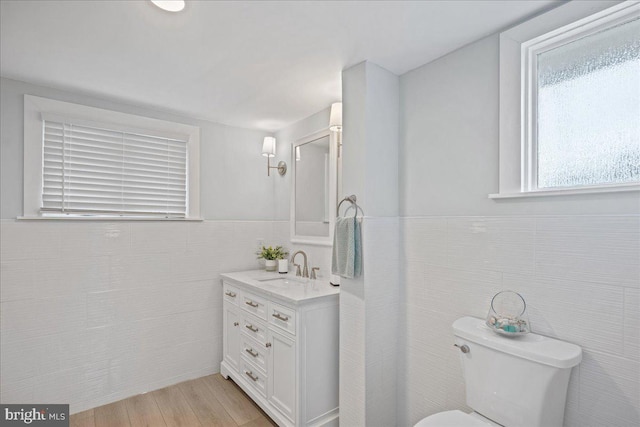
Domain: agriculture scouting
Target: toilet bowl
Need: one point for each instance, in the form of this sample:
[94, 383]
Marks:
[511, 381]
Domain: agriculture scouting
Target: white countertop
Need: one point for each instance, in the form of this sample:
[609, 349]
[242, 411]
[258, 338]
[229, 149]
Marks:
[291, 288]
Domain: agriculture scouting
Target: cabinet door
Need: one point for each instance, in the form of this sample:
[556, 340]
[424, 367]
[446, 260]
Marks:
[282, 374]
[231, 341]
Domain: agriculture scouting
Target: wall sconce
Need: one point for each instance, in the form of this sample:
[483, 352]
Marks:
[269, 150]
[335, 118]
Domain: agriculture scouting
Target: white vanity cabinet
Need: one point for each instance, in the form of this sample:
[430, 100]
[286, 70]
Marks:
[231, 326]
[281, 345]
[281, 390]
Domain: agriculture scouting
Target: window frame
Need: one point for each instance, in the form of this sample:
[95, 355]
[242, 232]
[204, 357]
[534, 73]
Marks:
[519, 47]
[37, 108]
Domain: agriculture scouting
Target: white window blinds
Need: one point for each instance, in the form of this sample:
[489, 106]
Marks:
[91, 170]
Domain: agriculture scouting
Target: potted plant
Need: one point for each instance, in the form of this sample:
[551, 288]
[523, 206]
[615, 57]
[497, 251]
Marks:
[271, 256]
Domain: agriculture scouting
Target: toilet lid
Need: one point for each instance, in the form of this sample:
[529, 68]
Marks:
[451, 419]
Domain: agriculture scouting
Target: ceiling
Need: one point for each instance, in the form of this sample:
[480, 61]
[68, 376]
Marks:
[260, 64]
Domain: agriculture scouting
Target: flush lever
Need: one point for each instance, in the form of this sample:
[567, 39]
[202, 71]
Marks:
[463, 348]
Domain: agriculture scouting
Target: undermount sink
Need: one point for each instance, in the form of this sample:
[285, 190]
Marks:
[281, 281]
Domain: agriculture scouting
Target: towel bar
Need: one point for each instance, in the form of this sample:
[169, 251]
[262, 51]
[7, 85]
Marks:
[351, 199]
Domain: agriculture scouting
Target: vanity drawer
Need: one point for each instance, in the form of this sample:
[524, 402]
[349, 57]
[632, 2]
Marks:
[231, 293]
[282, 317]
[254, 377]
[254, 304]
[254, 351]
[254, 328]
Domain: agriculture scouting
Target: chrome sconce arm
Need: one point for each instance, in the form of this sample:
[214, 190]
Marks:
[282, 167]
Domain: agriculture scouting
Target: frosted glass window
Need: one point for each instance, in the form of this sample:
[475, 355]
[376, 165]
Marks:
[588, 110]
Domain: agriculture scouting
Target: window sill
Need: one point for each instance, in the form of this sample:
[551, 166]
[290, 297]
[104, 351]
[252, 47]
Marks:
[568, 192]
[102, 218]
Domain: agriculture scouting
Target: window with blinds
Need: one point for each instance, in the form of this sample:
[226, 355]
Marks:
[94, 170]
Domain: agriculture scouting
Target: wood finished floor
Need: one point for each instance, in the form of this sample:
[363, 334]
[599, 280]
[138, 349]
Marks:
[206, 401]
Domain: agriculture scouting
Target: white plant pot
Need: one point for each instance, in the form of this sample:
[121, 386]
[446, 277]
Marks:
[270, 264]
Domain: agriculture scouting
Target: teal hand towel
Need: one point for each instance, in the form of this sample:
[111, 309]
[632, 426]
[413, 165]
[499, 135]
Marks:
[347, 248]
[357, 267]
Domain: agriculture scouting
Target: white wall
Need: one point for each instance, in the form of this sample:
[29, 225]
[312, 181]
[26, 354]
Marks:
[575, 259]
[234, 183]
[93, 312]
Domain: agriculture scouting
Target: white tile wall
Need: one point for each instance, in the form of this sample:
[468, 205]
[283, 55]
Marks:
[631, 322]
[580, 276]
[369, 307]
[590, 249]
[381, 257]
[352, 359]
[93, 312]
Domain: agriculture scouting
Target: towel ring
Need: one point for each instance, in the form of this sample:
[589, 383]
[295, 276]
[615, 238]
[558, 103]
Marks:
[351, 199]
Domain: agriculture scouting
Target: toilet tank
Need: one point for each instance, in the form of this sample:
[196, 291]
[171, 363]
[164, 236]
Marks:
[515, 381]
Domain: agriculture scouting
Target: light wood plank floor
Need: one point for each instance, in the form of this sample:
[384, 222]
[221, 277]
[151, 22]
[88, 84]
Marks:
[206, 401]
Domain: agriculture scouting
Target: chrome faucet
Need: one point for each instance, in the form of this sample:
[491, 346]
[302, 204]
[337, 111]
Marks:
[305, 270]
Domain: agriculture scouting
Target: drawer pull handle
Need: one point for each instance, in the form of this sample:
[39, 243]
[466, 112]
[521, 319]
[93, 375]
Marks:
[268, 345]
[250, 375]
[230, 294]
[251, 328]
[251, 352]
[235, 323]
[280, 317]
[251, 303]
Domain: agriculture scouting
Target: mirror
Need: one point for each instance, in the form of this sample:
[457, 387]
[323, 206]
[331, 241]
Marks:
[313, 192]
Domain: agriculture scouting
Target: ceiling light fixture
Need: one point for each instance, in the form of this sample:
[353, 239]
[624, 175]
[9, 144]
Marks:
[169, 5]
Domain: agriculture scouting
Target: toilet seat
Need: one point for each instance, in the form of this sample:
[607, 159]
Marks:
[454, 419]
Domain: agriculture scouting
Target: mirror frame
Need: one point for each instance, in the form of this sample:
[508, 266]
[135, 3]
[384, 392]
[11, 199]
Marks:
[333, 188]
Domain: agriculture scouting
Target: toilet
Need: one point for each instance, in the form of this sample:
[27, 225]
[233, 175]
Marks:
[510, 381]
